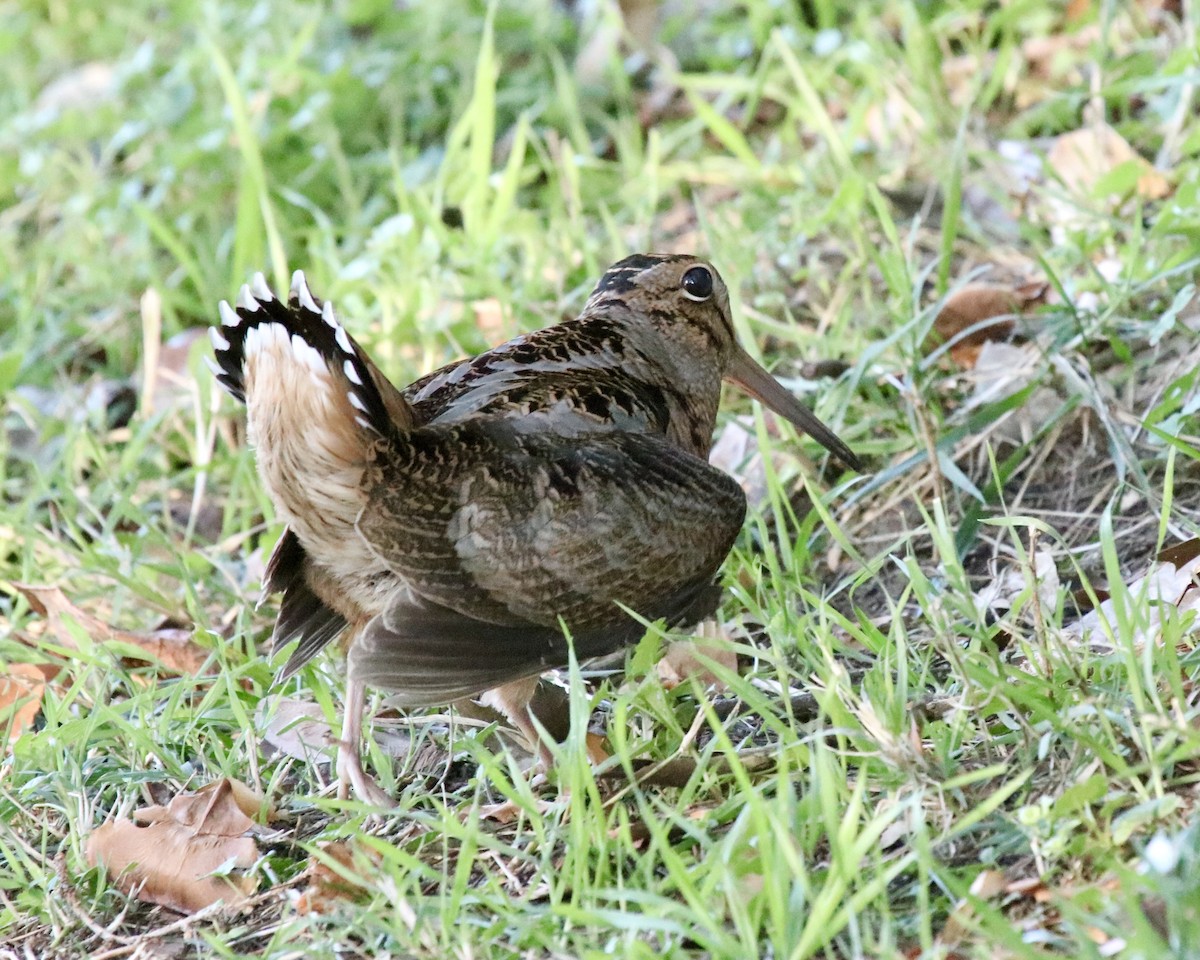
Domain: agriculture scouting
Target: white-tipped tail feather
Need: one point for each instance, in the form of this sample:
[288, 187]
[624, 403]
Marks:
[302, 332]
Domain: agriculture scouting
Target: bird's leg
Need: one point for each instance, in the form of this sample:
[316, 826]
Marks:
[513, 701]
[350, 773]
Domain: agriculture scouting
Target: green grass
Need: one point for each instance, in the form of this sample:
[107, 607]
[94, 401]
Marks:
[885, 741]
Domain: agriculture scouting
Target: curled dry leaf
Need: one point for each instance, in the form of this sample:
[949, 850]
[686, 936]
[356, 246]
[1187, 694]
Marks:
[684, 659]
[1083, 158]
[170, 647]
[962, 321]
[1174, 582]
[336, 874]
[189, 854]
[998, 596]
[736, 452]
[295, 728]
[22, 686]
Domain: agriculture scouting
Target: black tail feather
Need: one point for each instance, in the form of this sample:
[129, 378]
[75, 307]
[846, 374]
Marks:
[310, 323]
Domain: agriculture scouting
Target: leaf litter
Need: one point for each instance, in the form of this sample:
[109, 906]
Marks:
[188, 855]
[171, 648]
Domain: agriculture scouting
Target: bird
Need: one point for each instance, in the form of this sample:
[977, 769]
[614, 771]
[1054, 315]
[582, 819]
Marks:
[465, 531]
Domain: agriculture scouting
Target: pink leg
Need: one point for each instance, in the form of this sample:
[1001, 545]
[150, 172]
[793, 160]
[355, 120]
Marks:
[350, 773]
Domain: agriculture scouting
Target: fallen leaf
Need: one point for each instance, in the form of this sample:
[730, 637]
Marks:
[962, 321]
[224, 808]
[295, 728]
[190, 854]
[682, 660]
[85, 87]
[987, 885]
[1171, 583]
[597, 749]
[1181, 553]
[1083, 158]
[22, 686]
[506, 811]
[167, 378]
[736, 452]
[337, 873]
[997, 597]
[999, 371]
[169, 647]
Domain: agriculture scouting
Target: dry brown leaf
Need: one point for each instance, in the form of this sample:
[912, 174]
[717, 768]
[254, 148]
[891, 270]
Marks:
[995, 599]
[682, 660]
[295, 728]
[1174, 581]
[1082, 158]
[22, 686]
[338, 874]
[737, 453]
[167, 379]
[225, 808]
[971, 306]
[170, 647]
[173, 861]
[506, 811]
[988, 885]
[1181, 553]
[597, 749]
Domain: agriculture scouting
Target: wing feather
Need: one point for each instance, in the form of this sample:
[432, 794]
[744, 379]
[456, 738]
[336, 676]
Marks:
[500, 535]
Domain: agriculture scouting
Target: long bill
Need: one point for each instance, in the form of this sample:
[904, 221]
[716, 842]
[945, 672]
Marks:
[752, 378]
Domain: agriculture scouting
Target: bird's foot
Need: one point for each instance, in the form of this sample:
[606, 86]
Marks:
[354, 780]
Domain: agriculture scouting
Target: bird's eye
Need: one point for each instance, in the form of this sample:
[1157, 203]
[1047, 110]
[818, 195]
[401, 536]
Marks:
[698, 284]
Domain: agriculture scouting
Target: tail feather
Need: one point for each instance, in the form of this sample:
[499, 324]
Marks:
[317, 339]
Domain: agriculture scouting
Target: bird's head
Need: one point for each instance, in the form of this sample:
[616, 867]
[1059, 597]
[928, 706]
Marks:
[680, 304]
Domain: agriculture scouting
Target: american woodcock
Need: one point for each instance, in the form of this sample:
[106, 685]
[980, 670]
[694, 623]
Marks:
[456, 526]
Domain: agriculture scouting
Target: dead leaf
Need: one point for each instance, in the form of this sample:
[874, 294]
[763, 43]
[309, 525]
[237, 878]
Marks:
[167, 378]
[22, 686]
[506, 811]
[225, 808]
[85, 87]
[295, 728]
[1171, 583]
[1181, 553]
[997, 597]
[736, 451]
[682, 660]
[962, 319]
[337, 873]
[597, 748]
[987, 885]
[192, 852]
[169, 647]
[1002, 369]
[1084, 157]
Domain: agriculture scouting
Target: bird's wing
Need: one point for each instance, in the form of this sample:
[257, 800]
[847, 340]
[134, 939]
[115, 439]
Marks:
[500, 535]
